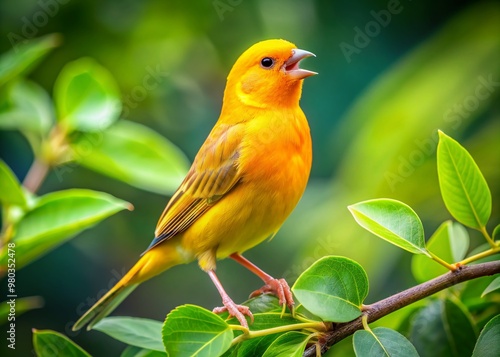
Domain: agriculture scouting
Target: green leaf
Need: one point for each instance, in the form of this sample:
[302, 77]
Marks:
[443, 328]
[463, 187]
[193, 331]
[333, 288]
[494, 285]
[267, 314]
[252, 347]
[263, 303]
[49, 343]
[28, 107]
[266, 311]
[459, 242]
[57, 217]
[24, 56]
[11, 192]
[496, 233]
[87, 96]
[134, 154]
[133, 351]
[382, 342]
[290, 344]
[22, 305]
[470, 295]
[487, 344]
[144, 333]
[393, 221]
[449, 242]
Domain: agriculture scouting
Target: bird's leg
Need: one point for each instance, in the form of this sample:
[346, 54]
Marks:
[278, 287]
[238, 311]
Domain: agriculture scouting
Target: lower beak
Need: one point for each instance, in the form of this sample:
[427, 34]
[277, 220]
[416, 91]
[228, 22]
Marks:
[291, 66]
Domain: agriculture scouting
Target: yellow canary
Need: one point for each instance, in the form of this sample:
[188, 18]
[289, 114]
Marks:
[245, 180]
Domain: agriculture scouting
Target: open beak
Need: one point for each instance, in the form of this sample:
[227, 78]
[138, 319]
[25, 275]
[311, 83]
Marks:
[291, 66]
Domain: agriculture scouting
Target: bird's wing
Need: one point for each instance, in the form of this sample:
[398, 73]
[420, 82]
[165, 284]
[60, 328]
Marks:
[214, 172]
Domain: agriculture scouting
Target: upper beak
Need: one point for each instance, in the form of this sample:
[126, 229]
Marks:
[291, 66]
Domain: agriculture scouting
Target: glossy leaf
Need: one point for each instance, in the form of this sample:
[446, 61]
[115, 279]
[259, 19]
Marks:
[28, 107]
[463, 187]
[493, 286]
[25, 55]
[252, 347]
[87, 96]
[471, 294]
[263, 303]
[133, 351]
[382, 342]
[134, 154]
[266, 310]
[193, 331]
[57, 217]
[449, 242]
[49, 343]
[144, 333]
[11, 192]
[333, 288]
[496, 233]
[393, 221]
[487, 344]
[290, 344]
[443, 328]
[267, 314]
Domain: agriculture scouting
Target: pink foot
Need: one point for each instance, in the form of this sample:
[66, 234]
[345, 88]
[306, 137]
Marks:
[278, 287]
[238, 311]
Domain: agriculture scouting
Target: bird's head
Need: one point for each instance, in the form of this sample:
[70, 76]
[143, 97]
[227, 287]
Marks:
[268, 75]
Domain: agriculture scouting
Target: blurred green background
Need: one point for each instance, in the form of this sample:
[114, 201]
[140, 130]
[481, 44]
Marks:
[390, 75]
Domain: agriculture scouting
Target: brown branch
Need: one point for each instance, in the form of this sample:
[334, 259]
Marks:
[57, 149]
[35, 176]
[395, 302]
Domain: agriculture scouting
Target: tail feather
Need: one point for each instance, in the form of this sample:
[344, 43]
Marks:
[112, 298]
[104, 306]
[150, 264]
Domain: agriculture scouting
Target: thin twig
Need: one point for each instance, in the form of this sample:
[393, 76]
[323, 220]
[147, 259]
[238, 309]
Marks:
[35, 175]
[395, 302]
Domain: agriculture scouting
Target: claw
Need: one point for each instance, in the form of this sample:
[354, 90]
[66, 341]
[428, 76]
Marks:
[278, 287]
[238, 311]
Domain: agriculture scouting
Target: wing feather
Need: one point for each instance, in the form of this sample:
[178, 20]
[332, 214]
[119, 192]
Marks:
[214, 172]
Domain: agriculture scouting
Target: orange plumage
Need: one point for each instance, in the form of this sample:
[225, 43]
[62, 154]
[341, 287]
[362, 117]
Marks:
[244, 182]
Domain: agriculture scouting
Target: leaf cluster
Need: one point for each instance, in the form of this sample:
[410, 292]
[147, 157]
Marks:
[332, 291]
[78, 125]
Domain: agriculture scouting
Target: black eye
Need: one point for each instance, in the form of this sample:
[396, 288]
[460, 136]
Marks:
[267, 62]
